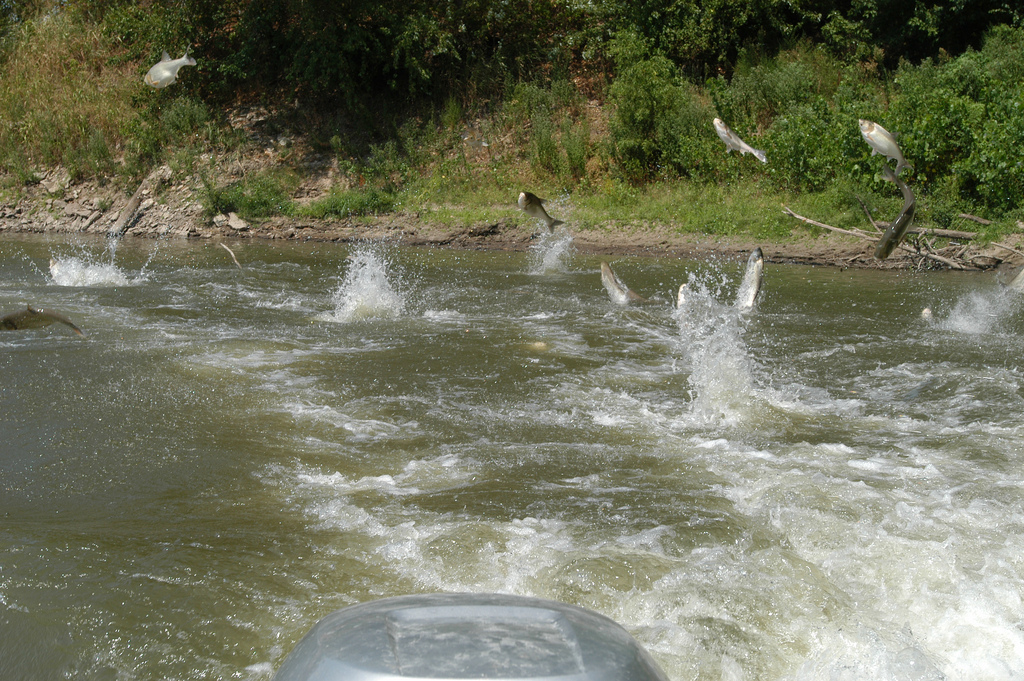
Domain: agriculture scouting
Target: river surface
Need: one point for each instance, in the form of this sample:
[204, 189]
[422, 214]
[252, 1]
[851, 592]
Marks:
[827, 487]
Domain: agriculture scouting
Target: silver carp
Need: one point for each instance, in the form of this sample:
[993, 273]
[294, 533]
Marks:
[165, 71]
[733, 141]
[897, 228]
[619, 293]
[31, 318]
[533, 205]
[882, 142]
[753, 277]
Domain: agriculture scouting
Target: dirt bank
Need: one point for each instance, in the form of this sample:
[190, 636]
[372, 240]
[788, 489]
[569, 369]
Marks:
[172, 210]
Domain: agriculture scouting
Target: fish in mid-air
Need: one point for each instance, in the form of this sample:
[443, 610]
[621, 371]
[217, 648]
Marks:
[1017, 283]
[165, 71]
[617, 291]
[31, 318]
[882, 142]
[897, 228]
[752, 279]
[733, 141]
[533, 206]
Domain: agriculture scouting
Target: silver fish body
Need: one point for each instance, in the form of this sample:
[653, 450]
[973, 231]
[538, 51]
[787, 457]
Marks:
[733, 141]
[882, 142]
[165, 71]
[897, 228]
[31, 318]
[533, 206]
[753, 277]
[619, 293]
[681, 295]
[1017, 283]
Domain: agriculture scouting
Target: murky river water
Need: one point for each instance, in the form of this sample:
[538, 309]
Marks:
[829, 487]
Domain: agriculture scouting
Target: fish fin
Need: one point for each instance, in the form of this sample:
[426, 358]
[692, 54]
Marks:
[760, 155]
[555, 223]
[165, 57]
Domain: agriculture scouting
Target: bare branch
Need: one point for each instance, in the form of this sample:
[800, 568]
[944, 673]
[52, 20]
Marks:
[975, 218]
[857, 233]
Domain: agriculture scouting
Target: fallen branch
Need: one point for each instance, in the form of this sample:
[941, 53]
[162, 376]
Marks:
[931, 255]
[868, 214]
[872, 237]
[224, 246]
[152, 181]
[1007, 248]
[857, 233]
[936, 231]
[975, 218]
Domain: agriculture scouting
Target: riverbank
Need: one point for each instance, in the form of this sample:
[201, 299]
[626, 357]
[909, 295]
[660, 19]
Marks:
[170, 208]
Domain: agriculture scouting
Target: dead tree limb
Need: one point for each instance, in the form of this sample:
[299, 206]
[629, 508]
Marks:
[1011, 250]
[868, 214]
[124, 220]
[857, 233]
[871, 237]
[975, 218]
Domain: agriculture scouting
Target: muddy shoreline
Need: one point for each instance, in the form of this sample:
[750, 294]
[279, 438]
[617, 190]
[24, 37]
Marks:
[171, 210]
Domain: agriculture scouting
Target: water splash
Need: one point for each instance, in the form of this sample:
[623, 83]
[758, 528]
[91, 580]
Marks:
[551, 252]
[982, 311]
[721, 367]
[90, 269]
[366, 292]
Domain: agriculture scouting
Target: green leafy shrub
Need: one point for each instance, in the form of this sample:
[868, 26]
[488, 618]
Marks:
[811, 145]
[341, 204]
[994, 172]
[260, 195]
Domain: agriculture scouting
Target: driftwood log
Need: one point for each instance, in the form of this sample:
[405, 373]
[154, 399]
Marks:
[130, 211]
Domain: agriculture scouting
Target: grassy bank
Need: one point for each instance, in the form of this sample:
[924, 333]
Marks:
[635, 148]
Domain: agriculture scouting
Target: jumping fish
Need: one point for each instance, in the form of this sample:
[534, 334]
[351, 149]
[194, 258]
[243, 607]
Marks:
[1017, 283]
[533, 206]
[617, 291]
[898, 227]
[882, 142]
[165, 71]
[681, 295]
[31, 318]
[733, 141]
[751, 284]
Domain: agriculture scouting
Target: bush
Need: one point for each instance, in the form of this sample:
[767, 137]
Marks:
[260, 195]
[811, 145]
[340, 204]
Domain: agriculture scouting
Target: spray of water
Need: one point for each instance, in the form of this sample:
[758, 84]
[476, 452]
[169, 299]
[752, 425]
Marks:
[712, 341]
[982, 311]
[86, 268]
[551, 253]
[367, 290]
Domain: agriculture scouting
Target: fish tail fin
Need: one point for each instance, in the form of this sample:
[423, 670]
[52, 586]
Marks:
[555, 223]
[901, 165]
[760, 155]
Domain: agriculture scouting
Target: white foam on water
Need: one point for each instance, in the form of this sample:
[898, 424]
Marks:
[360, 429]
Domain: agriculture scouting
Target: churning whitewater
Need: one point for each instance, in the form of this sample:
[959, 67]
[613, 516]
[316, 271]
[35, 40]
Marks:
[825, 485]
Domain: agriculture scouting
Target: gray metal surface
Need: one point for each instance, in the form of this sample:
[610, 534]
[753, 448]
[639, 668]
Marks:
[467, 636]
